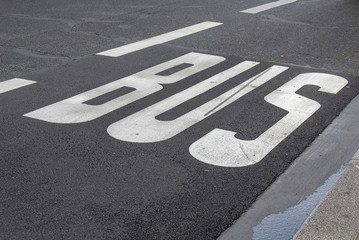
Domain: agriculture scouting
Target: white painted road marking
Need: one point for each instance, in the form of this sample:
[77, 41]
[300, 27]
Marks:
[166, 37]
[268, 6]
[146, 82]
[221, 148]
[14, 83]
[144, 127]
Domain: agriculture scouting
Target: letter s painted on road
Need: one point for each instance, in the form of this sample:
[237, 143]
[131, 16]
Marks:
[221, 148]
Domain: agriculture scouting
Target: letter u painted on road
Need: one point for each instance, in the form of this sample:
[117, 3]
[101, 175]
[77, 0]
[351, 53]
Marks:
[144, 127]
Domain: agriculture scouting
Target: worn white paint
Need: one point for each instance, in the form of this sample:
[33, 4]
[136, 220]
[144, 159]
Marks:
[146, 82]
[221, 147]
[268, 6]
[13, 84]
[144, 127]
[163, 38]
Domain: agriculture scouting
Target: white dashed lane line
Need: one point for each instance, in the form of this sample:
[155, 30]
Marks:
[163, 38]
[268, 6]
[14, 83]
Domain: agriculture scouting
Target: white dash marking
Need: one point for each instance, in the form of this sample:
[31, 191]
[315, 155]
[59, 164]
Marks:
[14, 83]
[268, 6]
[166, 37]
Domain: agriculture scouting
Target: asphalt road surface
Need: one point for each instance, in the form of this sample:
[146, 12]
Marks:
[161, 119]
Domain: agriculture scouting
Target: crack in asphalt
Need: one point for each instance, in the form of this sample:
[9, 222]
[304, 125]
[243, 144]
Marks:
[34, 54]
[246, 85]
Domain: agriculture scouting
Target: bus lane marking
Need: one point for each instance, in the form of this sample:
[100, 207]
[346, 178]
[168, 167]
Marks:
[219, 147]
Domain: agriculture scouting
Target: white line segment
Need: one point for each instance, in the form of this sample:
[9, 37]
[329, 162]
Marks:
[166, 37]
[14, 83]
[268, 6]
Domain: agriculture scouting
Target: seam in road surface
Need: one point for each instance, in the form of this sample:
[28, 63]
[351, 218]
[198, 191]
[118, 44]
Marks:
[246, 85]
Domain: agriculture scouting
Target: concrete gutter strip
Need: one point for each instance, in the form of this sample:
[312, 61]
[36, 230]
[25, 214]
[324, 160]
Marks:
[337, 216]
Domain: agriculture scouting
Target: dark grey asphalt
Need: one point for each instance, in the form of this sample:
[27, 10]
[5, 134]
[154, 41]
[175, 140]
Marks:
[74, 181]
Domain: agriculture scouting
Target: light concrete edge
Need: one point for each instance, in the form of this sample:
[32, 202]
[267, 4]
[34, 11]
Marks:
[337, 215]
[321, 161]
